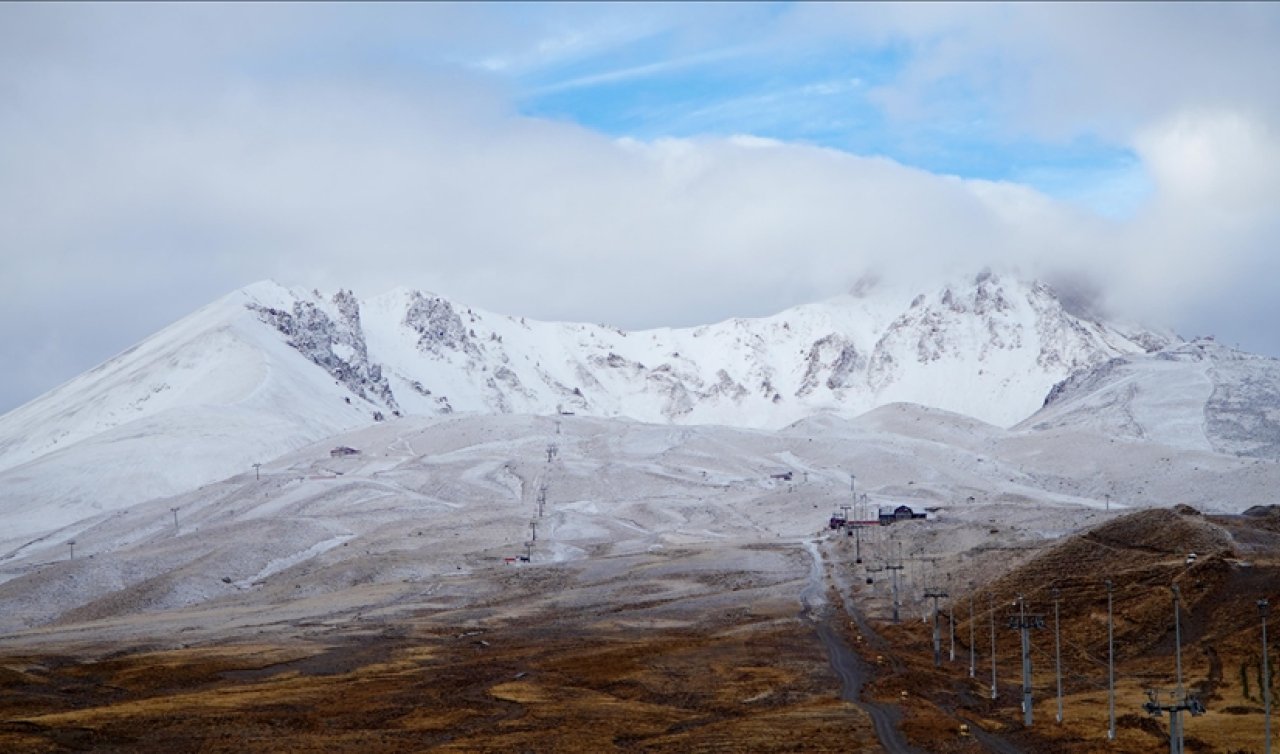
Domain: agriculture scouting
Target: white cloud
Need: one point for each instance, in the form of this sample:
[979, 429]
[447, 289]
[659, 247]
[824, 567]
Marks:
[143, 179]
[1059, 69]
[1208, 236]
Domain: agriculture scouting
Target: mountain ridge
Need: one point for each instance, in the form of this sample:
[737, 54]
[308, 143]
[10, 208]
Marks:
[991, 351]
[854, 354]
[266, 370]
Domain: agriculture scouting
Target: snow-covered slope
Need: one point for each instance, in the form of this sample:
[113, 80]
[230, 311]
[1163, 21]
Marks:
[267, 369]
[429, 501]
[199, 400]
[1200, 395]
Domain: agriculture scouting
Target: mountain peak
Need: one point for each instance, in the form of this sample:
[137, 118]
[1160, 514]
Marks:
[269, 369]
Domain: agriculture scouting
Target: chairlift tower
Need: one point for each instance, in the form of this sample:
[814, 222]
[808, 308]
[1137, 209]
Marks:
[1264, 607]
[858, 516]
[935, 595]
[925, 577]
[896, 569]
[951, 622]
[1111, 668]
[896, 602]
[1160, 701]
[1179, 700]
[542, 499]
[1057, 649]
[991, 615]
[1024, 623]
[973, 656]
[951, 628]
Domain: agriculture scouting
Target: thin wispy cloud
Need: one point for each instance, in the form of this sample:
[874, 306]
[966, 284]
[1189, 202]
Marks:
[638, 71]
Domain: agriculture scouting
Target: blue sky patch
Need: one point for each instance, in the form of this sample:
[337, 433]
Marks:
[826, 95]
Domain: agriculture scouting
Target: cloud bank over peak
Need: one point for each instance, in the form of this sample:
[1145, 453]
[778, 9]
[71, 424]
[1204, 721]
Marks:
[157, 157]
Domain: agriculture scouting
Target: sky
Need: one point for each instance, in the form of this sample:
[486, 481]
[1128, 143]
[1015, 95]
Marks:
[633, 164]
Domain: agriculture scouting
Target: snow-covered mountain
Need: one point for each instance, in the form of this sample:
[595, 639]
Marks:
[266, 370]
[990, 349]
[1200, 395]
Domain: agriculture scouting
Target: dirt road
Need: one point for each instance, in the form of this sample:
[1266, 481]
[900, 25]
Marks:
[850, 668]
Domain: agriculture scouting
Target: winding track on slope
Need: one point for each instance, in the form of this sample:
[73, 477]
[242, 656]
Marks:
[850, 668]
[991, 741]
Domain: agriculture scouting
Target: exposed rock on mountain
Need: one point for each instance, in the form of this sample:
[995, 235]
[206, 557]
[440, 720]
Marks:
[989, 348]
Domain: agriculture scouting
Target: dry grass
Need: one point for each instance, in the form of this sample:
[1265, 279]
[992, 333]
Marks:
[515, 688]
[1144, 554]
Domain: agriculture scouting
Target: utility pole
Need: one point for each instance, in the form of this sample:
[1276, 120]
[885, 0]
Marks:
[1111, 670]
[1057, 649]
[937, 636]
[991, 603]
[1264, 607]
[1024, 623]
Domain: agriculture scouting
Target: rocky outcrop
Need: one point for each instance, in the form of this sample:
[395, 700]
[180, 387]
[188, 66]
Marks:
[987, 346]
[336, 344]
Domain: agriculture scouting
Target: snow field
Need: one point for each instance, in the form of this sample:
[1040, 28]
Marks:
[463, 500]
